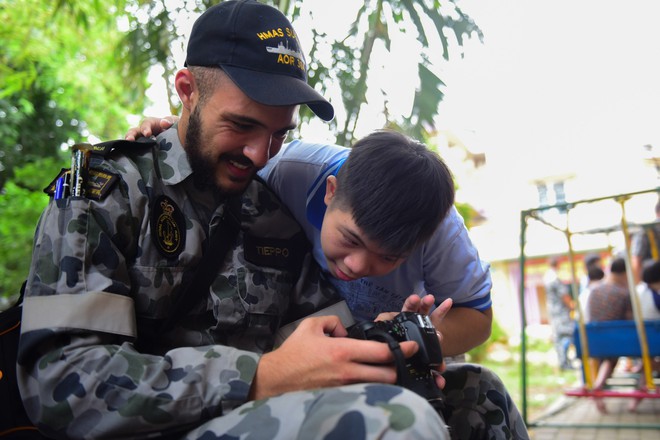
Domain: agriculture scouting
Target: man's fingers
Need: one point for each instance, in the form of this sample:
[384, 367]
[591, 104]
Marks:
[329, 325]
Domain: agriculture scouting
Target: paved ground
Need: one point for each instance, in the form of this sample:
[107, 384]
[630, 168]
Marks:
[576, 418]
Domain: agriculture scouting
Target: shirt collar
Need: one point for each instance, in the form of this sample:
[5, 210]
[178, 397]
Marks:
[172, 159]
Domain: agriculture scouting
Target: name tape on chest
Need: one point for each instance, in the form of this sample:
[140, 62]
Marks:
[274, 252]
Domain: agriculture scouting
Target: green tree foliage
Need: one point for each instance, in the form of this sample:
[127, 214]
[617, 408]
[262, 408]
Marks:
[378, 21]
[62, 77]
[21, 203]
[155, 36]
[74, 67]
[349, 66]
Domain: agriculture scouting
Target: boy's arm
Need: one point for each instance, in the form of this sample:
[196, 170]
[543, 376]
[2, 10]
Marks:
[453, 269]
[463, 328]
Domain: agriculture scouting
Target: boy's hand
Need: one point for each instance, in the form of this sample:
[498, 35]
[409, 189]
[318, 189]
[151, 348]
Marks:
[151, 126]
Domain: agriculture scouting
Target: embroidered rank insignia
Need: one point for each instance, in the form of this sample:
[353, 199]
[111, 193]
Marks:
[50, 189]
[168, 227]
[99, 183]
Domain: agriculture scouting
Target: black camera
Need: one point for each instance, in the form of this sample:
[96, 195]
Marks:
[414, 373]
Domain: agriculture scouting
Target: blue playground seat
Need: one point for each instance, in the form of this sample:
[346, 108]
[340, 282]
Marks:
[618, 338]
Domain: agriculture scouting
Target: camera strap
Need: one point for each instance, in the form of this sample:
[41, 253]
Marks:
[403, 376]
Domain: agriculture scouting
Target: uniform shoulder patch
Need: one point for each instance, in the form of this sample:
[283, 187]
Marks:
[99, 183]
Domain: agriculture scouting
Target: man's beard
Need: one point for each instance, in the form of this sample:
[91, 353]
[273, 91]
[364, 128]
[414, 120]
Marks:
[203, 168]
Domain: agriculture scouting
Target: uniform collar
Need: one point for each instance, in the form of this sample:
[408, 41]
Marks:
[315, 207]
[172, 159]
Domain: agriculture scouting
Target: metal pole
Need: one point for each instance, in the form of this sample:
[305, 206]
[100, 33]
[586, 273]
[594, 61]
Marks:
[523, 318]
[584, 343]
[634, 299]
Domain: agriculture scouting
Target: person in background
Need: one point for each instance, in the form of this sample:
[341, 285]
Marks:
[649, 291]
[645, 246]
[610, 300]
[594, 276]
[591, 261]
[560, 305]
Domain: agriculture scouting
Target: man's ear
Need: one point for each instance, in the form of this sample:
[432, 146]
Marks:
[330, 189]
[184, 82]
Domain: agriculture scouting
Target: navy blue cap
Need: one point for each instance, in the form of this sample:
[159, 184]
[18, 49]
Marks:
[256, 46]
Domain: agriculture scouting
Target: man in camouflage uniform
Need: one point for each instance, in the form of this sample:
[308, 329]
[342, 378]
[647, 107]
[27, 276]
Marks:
[95, 360]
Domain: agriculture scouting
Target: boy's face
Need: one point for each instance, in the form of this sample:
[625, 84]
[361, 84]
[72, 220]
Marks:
[349, 253]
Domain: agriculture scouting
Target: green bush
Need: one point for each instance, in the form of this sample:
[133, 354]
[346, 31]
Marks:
[497, 336]
[21, 203]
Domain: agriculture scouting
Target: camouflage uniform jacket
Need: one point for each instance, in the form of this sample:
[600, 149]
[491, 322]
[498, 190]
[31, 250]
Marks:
[107, 270]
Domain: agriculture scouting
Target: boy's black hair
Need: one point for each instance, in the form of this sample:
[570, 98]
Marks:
[397, 190]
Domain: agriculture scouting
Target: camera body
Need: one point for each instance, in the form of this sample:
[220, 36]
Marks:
[416, 373]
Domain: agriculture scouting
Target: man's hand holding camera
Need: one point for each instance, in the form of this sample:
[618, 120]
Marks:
[318, 354]
[310, 359]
